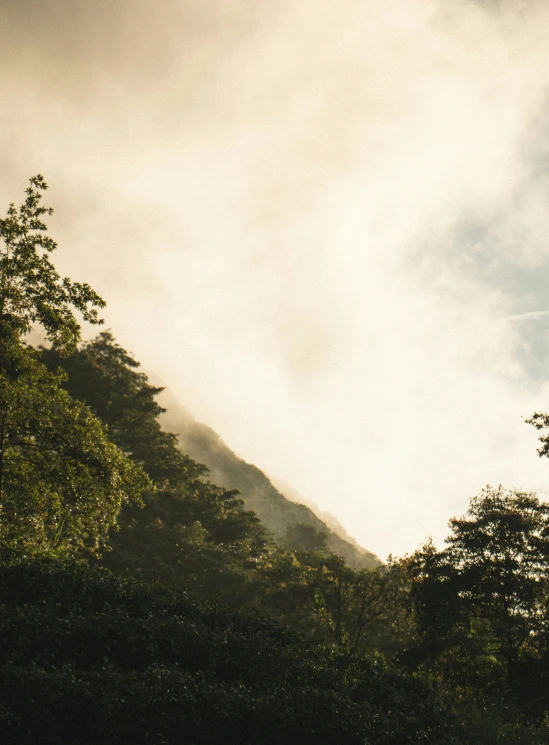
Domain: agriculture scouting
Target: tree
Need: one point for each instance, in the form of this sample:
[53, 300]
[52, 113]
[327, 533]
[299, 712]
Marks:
[436, 605]
[31, 290]
[500, 550]
[362, 609]
[540, 421]
[487, 590]
[304, 537]
[89, 657]
[62, 483]
[106, 377]
[200, 539]
[189, 532]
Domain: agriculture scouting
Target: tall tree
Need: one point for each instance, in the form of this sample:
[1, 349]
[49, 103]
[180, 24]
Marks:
[31, 289]
[436, 603]
[491, 581]
[62, 483]
[107, 378]
[362, 609]
[500, 550]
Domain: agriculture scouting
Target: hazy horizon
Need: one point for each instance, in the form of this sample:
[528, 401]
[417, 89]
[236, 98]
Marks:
[322, 225]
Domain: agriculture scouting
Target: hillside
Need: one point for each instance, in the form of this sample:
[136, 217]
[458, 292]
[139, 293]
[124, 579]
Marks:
[142, 603]
[275, 510]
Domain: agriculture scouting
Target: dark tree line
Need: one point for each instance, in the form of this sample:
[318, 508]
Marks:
[481, 603]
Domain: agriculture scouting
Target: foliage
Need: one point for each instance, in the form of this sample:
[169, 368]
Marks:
[62, 483]
[196, 536]
[200, 540]
[275, 511]
[500, 552]
[191, 534]
[540, 421]
[31, 290]
[363, 609]
[90, 657]
[105, 376]
[356, 610]
[87, 657]
[304, 537]
[481, 603]
[436, 604]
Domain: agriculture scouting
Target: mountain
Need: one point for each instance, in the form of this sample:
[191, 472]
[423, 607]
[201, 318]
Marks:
[330, 520]
[275, 510]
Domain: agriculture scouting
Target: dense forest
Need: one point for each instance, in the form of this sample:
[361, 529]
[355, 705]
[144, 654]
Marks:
[142, 602]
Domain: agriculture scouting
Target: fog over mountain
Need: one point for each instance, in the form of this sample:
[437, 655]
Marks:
[279, 507]
[324, 226]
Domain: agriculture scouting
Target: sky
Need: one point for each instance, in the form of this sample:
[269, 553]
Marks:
[323, 225]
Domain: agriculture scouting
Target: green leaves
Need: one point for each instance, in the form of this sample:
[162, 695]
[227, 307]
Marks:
[106, 377]
[31, 290]
[190, 533]
[481, 603]
[91, 658]
[62, 483]
[501, 551]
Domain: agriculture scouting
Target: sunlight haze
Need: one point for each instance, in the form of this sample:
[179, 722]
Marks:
[323, 225]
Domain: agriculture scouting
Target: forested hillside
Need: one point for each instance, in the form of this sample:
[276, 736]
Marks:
[193, 534]
[141, 602]
[274, 509]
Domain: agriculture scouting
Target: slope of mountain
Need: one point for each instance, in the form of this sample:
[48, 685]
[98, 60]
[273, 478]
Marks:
[330, 520]
[275, 510]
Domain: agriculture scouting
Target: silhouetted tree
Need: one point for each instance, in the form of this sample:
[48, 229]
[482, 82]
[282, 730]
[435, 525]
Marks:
[485, 593]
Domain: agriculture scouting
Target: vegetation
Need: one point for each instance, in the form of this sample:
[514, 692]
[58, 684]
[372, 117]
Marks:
[481, 603]
[31, 290]
[142, 603]
[124, 662]
[62, 483]
[279, 514]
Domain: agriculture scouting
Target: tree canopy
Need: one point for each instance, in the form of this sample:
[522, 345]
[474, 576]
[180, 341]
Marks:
[31, 289]
[62, 482]
[483, 599]
[107, 378]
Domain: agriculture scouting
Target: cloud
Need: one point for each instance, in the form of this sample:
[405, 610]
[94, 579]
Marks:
[311, 224]
[531, 315]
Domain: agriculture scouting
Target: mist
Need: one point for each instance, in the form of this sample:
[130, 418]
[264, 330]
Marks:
[323, 226]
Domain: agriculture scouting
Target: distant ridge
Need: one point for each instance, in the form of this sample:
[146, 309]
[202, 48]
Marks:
[332, 522]
[275, 510]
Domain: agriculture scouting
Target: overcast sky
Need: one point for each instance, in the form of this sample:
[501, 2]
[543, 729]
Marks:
[324, 224]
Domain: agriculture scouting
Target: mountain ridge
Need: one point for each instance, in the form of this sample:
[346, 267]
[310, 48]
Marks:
[275, 510]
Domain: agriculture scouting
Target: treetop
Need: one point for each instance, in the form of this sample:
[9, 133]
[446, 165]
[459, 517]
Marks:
[31, 289]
